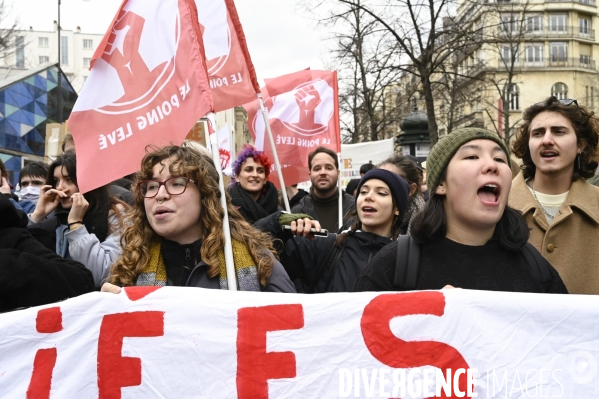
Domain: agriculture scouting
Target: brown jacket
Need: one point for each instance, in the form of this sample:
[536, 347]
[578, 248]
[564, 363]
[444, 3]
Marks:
[571, 242]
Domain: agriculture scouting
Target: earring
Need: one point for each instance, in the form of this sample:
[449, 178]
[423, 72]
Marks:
[578, 159]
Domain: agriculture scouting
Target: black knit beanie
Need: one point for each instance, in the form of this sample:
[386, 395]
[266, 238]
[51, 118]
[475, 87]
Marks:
[398, 186]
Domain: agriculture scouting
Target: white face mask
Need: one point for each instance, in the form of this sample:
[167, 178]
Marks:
[30, 193]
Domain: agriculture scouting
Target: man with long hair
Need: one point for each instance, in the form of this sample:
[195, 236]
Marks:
[558, 146]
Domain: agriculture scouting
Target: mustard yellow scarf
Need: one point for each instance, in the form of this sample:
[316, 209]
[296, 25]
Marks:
[154, 274]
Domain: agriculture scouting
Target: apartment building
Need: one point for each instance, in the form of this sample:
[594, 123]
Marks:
[530, 49]
[33, 48]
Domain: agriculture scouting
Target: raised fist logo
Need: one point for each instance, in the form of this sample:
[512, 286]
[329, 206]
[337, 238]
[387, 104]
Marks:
[225, 158]
[138, 60]
[307, 99]
[122, 53]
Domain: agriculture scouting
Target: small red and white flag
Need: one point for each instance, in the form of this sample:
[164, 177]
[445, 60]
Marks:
[148, 85]
[303, 110]
[230, 70]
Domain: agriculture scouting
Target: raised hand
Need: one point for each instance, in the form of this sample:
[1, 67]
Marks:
[48, 201]
[4, 186]
[78, 208]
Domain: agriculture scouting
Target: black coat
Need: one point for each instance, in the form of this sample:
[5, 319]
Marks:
[30, 274]
[303, 258]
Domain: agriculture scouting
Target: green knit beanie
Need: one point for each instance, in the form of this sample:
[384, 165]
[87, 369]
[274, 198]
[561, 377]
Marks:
[447, 146]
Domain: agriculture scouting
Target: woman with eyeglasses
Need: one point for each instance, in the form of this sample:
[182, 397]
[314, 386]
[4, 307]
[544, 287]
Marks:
[83, 227]
[251, 192]
[175, 236]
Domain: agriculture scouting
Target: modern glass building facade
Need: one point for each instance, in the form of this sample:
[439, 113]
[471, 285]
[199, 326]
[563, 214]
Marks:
[27, 102]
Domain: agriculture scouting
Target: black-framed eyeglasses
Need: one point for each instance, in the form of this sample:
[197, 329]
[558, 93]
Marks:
[173, 186]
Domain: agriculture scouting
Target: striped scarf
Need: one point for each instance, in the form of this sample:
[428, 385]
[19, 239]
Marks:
[154, 274]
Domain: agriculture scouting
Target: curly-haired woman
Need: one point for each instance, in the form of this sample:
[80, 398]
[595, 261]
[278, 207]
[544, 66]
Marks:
[175, 236]
[251, 192]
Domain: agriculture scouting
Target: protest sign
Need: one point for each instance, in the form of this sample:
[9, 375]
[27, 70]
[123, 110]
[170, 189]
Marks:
[197, 343]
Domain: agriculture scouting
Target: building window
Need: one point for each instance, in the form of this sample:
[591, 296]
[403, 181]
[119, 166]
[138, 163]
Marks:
[42, 41]
[20, 51]
[44, 59]
[559, 52]
[534, 23]
[584, 26]
[86, 62]
[557, 22]
[64, 50]
[508, 51]
[533, 53]
[559, 91]
[88, 44]
[585, 60]
[509, 23]
[514, 98]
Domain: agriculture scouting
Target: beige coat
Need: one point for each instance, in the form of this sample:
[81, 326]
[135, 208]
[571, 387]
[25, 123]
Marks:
[571, 242]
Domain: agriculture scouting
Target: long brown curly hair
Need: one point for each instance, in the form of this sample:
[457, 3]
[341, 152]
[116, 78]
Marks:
[586, 127]
[139, 235]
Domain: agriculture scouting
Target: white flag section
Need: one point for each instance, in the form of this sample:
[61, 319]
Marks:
[195, 343]
[224, 149]
[355, 155]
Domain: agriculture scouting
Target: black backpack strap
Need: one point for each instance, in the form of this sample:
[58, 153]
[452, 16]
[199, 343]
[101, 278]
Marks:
[538, 264]
[325, 267]
[407, 263]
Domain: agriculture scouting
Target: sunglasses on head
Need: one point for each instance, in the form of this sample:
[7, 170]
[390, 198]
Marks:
[565, 101]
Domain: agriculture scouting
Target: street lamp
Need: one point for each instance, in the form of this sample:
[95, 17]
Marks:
[59, 86]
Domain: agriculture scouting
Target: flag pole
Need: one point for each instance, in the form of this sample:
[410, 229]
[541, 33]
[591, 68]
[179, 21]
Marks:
[228, 249]
[340, 193]
[274, 152]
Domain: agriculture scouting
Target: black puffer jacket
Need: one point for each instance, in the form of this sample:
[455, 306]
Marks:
[303, 259]
[30, 274]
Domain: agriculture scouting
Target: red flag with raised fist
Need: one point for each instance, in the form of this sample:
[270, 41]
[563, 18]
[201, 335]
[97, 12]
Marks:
[303, 110]
[230, 70]
[148, 85]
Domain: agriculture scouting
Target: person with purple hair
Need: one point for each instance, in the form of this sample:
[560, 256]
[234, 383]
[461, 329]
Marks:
[251, 192]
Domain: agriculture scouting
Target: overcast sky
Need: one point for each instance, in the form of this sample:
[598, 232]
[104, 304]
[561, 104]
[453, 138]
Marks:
[280, 37]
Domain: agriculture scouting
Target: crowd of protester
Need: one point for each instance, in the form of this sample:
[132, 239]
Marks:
[465, 218]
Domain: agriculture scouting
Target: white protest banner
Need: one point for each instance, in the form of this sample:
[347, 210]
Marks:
[355, 155]
[224, 149]
[150, 342]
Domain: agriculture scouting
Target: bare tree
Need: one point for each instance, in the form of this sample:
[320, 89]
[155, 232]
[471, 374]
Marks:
[422, 30]
[365, 61]
[9, 25]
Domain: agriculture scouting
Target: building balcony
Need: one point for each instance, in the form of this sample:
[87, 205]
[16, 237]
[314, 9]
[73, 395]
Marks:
[566, 32]
[585, 2]
[556, 62]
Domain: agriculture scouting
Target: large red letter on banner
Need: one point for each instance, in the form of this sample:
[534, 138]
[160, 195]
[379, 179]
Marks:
[255, 366]
[395, 352]
[114, 370]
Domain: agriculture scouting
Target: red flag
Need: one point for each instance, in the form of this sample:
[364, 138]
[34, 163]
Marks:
[303, 110]
[231, 72]
[148, 85]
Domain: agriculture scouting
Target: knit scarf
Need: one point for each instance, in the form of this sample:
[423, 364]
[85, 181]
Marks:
[154, 274]
[252, 210]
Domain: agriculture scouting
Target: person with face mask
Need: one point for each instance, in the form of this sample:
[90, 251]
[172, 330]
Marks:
[32, 178]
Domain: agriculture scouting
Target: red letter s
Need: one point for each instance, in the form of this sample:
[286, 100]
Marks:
[397, 353]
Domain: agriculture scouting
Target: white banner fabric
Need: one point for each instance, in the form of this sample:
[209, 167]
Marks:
[355, 155]
[195, 343]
